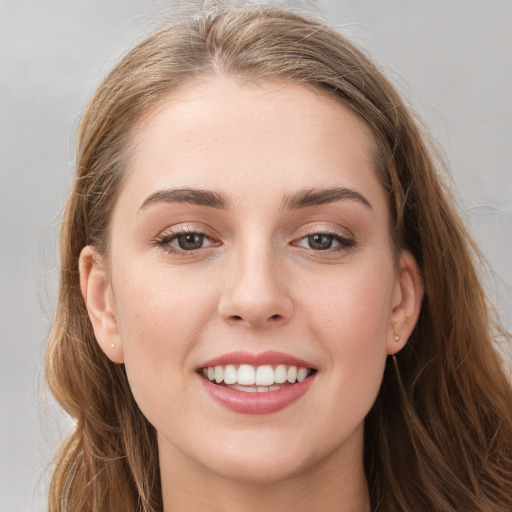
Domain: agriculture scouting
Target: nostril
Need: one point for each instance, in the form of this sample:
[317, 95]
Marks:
[272, 318]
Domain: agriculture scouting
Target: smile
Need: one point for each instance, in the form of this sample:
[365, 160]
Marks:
[256, 384]
[256, 379]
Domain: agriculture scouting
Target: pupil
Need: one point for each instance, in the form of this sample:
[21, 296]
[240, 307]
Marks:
[190, 241]
[320, 242]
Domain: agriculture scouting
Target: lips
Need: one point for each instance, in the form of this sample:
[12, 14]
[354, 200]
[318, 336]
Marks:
[256, 384]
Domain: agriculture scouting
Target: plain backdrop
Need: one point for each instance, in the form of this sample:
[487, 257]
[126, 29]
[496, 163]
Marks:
[452, 59]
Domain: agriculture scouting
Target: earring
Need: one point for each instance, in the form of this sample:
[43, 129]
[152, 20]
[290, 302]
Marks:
[113, 345]
[397, 338]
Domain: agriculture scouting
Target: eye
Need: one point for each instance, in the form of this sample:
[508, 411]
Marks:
[181, 242]
[325, 242]
[190, 241]
[320, 241]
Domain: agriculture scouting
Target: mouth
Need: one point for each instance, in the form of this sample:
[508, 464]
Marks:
[263, 383]
[248, 378]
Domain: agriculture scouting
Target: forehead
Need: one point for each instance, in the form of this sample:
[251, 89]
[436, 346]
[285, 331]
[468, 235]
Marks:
[275, 136]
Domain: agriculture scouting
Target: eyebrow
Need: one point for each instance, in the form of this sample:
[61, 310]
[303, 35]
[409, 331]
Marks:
[315, 197]
[189, 196]
[217, 200]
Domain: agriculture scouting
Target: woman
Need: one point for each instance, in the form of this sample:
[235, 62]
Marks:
[267, 299]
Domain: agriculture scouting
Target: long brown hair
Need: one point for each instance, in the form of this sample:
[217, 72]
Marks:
[439, 436]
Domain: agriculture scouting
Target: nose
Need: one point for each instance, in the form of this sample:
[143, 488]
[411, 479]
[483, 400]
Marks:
[256, 293]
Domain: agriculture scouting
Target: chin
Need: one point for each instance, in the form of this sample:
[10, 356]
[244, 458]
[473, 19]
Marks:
[266, 457]
[261, 469]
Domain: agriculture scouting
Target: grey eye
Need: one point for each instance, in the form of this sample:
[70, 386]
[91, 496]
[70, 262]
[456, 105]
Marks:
[320, 241]
[190, 241]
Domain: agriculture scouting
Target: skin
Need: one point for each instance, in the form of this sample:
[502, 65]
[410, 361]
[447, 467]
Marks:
[256, 284]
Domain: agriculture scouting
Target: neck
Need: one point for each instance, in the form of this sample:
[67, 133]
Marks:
[336, 484]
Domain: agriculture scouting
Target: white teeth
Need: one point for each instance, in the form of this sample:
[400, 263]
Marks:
[219, 374]
[281, 374]
[290, 377]
[264, 375]
[230, 374]
[302, 373]
[255, 379]
[247, 389]
[246, 375]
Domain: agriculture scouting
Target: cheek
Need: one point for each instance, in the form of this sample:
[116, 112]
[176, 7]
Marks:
[162, 308]
[351, 320]
[160, 317]
[352, 307]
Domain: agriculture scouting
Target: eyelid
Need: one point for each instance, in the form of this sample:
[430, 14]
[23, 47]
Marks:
[187, 227]
[316, 228]
[342, 240]
[165, 237]
[344, 237]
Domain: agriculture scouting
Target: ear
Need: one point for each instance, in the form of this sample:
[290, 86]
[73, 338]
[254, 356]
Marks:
[407, 297]
[99, 300]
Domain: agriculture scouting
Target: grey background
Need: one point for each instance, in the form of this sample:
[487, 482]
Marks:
[451, 59]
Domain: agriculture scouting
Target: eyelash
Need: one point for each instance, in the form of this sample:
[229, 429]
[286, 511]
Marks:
[165, 239]
[345, 242]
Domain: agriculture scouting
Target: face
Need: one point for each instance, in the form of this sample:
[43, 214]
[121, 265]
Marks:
[251, 241]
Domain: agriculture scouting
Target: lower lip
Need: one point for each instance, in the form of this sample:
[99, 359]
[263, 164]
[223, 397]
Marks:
[265, 402]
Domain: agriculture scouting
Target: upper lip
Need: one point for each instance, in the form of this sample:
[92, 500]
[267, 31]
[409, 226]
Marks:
[270, 357]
